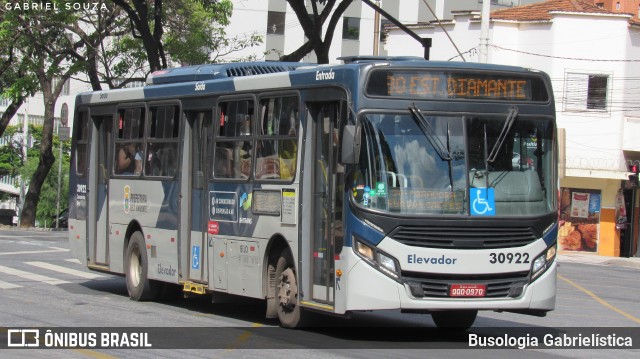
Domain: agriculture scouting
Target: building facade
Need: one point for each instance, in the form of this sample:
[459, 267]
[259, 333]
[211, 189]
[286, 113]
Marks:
[355, 32]
[591, 55]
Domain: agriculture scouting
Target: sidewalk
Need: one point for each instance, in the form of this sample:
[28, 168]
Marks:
[574, 257]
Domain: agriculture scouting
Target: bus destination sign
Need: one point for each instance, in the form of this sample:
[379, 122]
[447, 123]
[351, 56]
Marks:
[454, 85]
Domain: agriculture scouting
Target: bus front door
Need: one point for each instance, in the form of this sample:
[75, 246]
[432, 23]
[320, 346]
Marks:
[327, 199]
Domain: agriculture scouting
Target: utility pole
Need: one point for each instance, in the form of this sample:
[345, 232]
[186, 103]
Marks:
[64, 134]
[484, 32]
[59, 178]
[25, 146]
[376, 31]
[425, 42]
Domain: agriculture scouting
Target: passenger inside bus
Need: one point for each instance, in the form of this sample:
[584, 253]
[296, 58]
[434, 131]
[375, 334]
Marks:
[129, 160]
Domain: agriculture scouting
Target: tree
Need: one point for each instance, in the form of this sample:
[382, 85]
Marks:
[49, 55]
[312, 25]
[11, 152]
[186, 32]
[97, 30]
[47, 205]
[15, 85]
[13, 163]
[11, 159]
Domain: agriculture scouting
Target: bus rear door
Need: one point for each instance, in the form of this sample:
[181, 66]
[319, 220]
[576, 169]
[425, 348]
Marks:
[98, 200]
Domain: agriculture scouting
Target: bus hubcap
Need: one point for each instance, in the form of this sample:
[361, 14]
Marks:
[288, 289]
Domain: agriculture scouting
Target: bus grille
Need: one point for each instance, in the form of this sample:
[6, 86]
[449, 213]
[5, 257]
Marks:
[464, 237]
[500, 285]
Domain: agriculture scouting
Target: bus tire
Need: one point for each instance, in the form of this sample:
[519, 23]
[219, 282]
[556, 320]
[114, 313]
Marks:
[140, 288]
[288, 306]
[272, 301]
[458, 320]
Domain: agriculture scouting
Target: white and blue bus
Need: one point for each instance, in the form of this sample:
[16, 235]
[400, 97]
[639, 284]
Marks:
[380, 183]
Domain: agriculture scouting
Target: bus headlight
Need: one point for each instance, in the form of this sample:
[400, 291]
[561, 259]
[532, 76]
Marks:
[543, 262]
[378, 259]
[388, 265]
[364, 251]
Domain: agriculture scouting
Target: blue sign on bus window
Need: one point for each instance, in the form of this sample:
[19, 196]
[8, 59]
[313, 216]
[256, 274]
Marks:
[482, 202]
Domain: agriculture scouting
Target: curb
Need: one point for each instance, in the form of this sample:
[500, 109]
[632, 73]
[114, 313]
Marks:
[594, 259]
[32, 229]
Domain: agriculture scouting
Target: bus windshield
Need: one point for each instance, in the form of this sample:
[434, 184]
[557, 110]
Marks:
[412, 163]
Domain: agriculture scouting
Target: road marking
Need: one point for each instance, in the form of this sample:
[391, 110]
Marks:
[242, 338]
[7, 285]
[31, 276]
[73, 260]
[65, 270]
[52, 250]
[94, 354]
[600, 300]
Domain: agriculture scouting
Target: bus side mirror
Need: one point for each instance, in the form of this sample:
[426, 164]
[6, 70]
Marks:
[351, 144]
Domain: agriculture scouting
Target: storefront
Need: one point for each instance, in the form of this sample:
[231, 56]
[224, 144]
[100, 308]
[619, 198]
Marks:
[599, 216]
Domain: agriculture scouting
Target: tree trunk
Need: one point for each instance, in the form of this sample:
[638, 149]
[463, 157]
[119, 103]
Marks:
[92, 71]
[298, 54]
[30, 205]
[9, 113]
[322, 53]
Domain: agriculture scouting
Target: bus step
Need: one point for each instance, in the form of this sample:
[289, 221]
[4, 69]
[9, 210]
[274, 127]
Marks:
[191, 287]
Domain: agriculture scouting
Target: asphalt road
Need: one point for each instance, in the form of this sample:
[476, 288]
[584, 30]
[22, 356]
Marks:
[41, 286]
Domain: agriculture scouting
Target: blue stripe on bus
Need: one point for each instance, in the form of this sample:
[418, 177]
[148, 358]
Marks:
[551, 235]
[356, 226]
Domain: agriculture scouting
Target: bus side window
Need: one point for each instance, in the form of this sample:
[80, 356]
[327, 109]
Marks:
[277, 147]
[129, 139]
[234, 148]
[162, 142]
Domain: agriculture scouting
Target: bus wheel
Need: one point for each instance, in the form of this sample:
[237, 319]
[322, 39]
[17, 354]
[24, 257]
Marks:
[458, 320]
[289, 311]
[136, 267]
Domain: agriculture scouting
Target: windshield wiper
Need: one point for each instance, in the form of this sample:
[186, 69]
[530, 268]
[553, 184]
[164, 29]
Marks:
[428, 130]
[511, 118]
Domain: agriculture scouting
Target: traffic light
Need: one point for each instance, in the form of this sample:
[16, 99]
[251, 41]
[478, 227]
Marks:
[635, 168]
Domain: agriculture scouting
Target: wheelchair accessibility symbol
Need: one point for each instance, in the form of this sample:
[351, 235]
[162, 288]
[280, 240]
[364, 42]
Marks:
[482, 202]
[195, 257]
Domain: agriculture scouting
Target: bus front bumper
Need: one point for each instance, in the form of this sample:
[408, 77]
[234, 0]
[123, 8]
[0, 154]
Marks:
[366, 288]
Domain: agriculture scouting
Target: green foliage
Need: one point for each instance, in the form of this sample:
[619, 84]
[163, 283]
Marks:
[125, 58]
[193, 32]
[48, 195]
[189, 27]
[11, 153]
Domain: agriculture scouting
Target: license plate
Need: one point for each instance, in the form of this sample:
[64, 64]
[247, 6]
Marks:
[467, 290]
